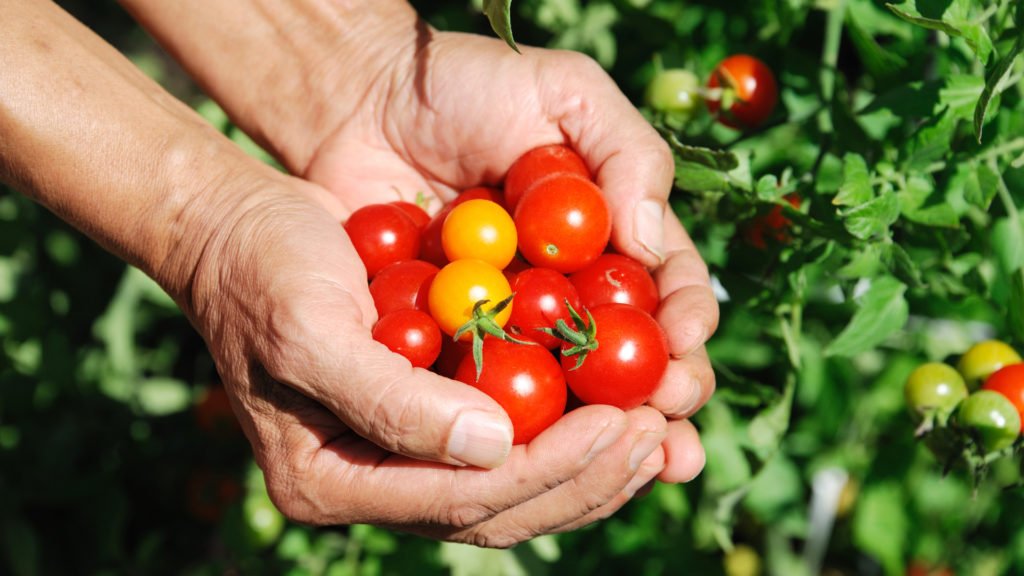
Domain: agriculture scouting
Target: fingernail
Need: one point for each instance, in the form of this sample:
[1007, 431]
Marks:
[638, 482]
[605, 439]
[649, 227]
[480, 439]
[643, 448]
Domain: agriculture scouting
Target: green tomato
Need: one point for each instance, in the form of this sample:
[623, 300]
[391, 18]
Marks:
[984, 358]
[263, 521]
[674, 91]
[992, 418]
[934, 389]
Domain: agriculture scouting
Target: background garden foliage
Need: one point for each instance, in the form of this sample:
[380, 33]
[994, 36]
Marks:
[900, 126]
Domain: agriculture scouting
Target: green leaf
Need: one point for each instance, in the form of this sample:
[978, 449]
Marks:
[160, 396]
[880, 524]
[769, 426]
[882, 311]
[972, 32]
[992, 83]
[1008, 244]
[856, 188]
[919, 203]
[978, 181]
[872, 218]
[877, 60]
[1015, 307]
[499, 14]
[931, 142]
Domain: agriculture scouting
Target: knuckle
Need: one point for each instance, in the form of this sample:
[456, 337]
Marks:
[467, 515]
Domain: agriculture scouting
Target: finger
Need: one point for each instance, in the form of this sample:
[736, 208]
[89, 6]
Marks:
[352, 481]
[684, 454]
[687, 385]
[632, 164]
[599, 487]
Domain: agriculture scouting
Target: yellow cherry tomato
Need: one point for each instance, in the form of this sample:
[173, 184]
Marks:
[984, 358]
[480, 230]
[459, 286]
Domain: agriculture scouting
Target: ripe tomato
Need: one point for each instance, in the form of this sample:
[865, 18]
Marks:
[616, 278]
[627, 363]
[992, 419]
[431, 248]
[525, 380]
[402, 285]
[382, 234]
[674, 91]
[459, 286]
[414, 211]
[563, 223]
[480, 230]
[751, 87]
[411, 333]
[934, 389]
[214, 415]
[538, 164]
[452, 353]
[984, 358]
[773, 226]
[1009, 381]
[541, 294]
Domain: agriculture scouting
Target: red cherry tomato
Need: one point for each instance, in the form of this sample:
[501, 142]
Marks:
[626, 366]
[414, 211]
[754, 92]
[382, 234]
[411, 333]
[616, 278]
[402, 285]
[772, 226]
[452, 353]
[540, 296]
[1009, 381]
[540, 163]
[563, 224]
[432, 247]
[525, 380]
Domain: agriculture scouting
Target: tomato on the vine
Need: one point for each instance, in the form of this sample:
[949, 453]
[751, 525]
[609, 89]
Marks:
[480, 230]
[616, 278]
[563, 223]
[540, 301]
[674, 91]
[749, 92]
[459, 286]
[402, 285]
[524, 379]
[933, 390]
[538, 164]
[984, 358]
[616, 357]
[411, 333]
[382, 234]
[1009, 381]
[772, 226]
[991, 418]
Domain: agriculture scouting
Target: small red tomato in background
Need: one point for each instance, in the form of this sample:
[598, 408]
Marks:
[214, 415]
[1009, 381]
[616, 278]
[540, 297]
[627, 364]
[414, 211]
[411, 333]
[402, 285]
[752, 91]
[431, 246]
[772, 226]
[525, 380]
[538, 164]
[480, 230]
[563, 223]
[382, 234]
[459, 286]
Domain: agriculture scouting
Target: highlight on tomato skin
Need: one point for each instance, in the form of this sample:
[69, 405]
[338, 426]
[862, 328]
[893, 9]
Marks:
[1009, 381]
[382, 234]
[616, 278]
[411, 333]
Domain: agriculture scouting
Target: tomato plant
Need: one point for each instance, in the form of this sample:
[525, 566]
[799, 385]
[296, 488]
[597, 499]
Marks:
[480, 230]
[772, 226]
[991, 418]
[540, 163]
[382, 234]
[1009, 381]
[563, 224]
[411, 333]
[616, 278]
[526, 380]
[541, 295]
[459, 286]
[749, 91]
[983, 359]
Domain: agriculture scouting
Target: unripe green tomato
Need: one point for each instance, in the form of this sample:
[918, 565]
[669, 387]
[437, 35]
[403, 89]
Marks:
[934, 388]
[992, 417]
[984, 358]
[674, 91]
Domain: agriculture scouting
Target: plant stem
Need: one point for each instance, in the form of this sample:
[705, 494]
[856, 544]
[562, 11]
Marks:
[830, 59]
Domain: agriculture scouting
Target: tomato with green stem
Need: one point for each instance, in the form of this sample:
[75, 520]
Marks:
[675, 91]
[984, 358]
[541, 297]
[991, 419]
[459, 287]
[1009, 381]
[742, 91]
[932, 392]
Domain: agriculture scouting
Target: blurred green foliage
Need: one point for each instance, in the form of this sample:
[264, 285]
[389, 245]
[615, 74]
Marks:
[899, 126]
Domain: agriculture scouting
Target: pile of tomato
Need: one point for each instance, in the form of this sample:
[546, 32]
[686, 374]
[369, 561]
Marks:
[516, 291]
[977, 406]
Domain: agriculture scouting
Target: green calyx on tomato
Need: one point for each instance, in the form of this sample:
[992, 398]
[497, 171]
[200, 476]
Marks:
[483, 324]
[582, 339]
[932, 393]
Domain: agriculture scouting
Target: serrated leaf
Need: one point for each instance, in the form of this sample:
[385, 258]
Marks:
[872, 218]
[719, 160]
[856, 188]
[993, 79]
[901, 265]
[882, 310]
[972, 32]
[979, 183]
[499, 14]
[920, 203]
[769, 426]
[931, 142]
[694, 177]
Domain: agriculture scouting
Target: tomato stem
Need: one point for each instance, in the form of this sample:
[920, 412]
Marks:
[583, 338]
[483, 324]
